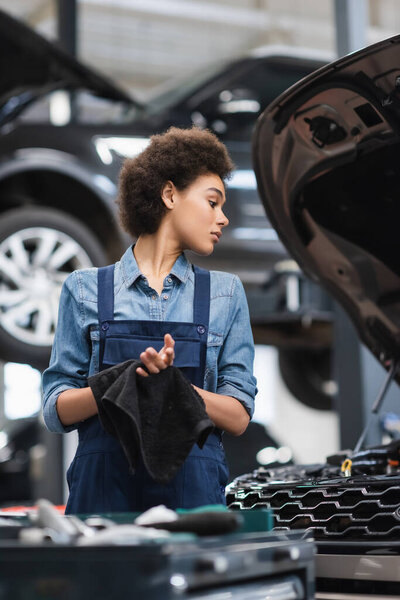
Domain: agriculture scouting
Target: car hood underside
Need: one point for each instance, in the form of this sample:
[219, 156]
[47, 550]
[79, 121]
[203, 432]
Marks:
[326, 160]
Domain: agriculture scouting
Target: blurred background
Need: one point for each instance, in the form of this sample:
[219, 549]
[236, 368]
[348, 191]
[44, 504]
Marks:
[216, 64]
[142, 45]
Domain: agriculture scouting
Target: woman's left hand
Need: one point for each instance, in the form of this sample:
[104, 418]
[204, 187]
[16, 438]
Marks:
[158, 361]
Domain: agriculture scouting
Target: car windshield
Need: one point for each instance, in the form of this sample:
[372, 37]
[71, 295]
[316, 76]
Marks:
[176, 90]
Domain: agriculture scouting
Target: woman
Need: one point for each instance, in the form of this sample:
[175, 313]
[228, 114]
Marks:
[171, 198]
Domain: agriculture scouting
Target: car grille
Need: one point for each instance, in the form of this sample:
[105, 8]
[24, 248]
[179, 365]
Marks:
[361, 507]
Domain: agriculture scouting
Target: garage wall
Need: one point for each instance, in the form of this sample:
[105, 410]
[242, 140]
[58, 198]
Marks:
[145, 44]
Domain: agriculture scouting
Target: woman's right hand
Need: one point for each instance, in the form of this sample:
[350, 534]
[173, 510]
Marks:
[158, 361]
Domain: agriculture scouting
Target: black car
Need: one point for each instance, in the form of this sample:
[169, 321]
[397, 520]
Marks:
[64, 133]
[326, 160]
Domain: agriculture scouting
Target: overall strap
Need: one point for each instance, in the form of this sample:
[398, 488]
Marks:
[201, 317]
[201, 303]
[105, 293]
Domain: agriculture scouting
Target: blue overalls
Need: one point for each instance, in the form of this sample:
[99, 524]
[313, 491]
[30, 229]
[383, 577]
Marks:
[99, 479]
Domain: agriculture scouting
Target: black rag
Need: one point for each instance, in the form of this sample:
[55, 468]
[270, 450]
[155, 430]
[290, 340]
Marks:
[159, 417]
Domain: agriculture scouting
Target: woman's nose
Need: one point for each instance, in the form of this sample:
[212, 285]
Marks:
[223, 220]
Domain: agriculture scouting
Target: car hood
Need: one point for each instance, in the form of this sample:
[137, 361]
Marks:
[30, 62]
[327, 160]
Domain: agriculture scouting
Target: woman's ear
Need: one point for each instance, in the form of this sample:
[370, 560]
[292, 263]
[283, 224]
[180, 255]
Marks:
[167, 194]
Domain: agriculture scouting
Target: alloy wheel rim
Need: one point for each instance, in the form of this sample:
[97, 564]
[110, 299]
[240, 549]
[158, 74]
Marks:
[34, 263]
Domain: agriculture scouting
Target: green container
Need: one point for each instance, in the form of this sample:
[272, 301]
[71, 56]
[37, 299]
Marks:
[257, 520]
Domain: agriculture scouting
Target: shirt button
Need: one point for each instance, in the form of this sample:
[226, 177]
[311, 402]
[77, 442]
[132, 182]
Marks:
[169, 280]
[201, 329]
[153, 297]
[165, 296]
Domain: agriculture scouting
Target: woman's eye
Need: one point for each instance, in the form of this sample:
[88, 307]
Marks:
[212, 203]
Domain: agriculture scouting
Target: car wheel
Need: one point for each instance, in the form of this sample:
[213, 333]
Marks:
[39, 247]
[307, 374]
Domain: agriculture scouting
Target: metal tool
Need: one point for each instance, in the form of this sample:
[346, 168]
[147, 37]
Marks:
[378, 403]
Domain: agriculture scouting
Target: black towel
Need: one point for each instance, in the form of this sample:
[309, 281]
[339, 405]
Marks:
[159, 417]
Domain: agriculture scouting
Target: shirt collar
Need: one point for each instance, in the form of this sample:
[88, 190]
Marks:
[130, 269]
[181, 268]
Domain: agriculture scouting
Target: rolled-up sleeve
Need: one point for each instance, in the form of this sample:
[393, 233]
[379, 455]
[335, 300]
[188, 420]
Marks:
[236, 359]
[70, 356]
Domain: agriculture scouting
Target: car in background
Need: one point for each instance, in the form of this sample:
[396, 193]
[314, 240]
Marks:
[65, 131]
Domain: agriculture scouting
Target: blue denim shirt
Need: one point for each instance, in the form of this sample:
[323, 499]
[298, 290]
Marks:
[75, 352]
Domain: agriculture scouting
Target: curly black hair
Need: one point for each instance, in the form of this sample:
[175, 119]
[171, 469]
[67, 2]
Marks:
[178, 155]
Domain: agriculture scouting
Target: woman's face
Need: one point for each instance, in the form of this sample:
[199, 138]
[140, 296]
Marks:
[197, 217]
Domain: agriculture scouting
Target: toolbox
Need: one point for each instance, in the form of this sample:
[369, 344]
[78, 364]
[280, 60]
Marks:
[248, 565]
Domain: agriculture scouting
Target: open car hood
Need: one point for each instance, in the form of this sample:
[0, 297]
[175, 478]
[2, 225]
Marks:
[327, 160]
[30, 62]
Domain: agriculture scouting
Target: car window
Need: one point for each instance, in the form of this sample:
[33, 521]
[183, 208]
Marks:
[88, 109]
[232, 109]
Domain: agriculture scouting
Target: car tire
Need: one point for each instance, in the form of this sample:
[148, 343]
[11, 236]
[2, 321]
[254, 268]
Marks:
[307, 373]
[39, 247]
